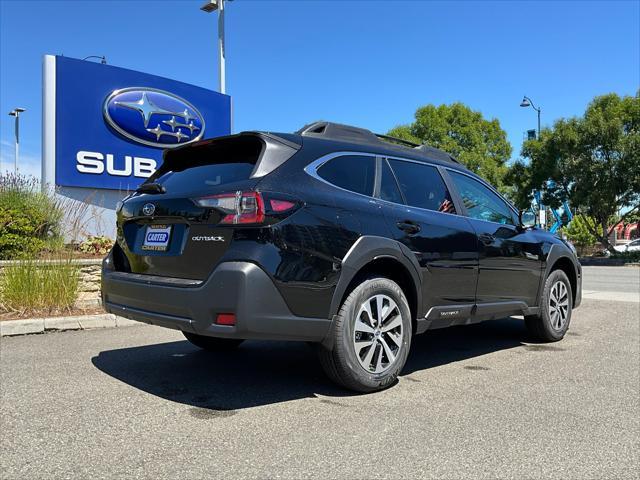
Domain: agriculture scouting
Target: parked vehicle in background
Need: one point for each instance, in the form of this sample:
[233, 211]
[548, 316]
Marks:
[332, 235]
[633, 246]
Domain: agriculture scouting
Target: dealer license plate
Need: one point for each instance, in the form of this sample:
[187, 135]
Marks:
[156, 238]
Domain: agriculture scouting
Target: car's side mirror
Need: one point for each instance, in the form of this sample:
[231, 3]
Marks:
[527, 218]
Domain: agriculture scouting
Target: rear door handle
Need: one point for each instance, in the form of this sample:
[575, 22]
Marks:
[487, 238]
[409, 227]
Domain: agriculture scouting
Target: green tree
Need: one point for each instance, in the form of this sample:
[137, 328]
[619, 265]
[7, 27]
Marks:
[593, 161]
[480, 144]
[579, 232]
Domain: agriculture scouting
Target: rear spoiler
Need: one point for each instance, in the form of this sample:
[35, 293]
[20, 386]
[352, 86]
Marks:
[274, 152]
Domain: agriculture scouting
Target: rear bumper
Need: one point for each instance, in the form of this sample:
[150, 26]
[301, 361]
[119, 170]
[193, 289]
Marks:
[241, 288]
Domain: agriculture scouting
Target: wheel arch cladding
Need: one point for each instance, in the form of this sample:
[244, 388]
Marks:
[566, 265]
[370, 256]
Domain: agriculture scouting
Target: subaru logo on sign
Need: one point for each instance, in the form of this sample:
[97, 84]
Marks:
[148, 208]
[153, 117]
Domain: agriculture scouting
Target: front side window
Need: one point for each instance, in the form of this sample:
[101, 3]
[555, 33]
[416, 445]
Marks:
[355, 173]
[422, 186]
[481, 203]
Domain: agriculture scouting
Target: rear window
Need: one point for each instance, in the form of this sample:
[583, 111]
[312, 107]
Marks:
[208, 165]
[355, 173]
[196, 178]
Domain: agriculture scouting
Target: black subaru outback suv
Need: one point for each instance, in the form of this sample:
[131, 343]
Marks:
[332, 235]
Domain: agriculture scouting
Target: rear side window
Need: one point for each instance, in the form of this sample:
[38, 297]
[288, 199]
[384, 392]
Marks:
[389, 189]
[355, 173]
[422, 186]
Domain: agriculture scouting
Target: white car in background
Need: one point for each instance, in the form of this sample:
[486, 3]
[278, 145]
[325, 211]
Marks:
[629, 247]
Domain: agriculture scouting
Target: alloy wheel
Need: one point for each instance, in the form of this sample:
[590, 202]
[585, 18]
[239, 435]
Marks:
[558, 305]
[378, 333]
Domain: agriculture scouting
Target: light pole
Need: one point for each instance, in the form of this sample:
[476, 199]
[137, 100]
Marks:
[526, 102]
[542, 211]
[16, 113]
[212, 6]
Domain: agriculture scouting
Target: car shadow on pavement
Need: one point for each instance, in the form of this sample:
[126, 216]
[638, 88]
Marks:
[262, 373]
[448, 345]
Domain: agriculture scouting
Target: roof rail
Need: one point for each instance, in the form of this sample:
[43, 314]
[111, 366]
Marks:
[437, 153]
[431, 151]
[356, 134]
[337, 130]
[400, 141]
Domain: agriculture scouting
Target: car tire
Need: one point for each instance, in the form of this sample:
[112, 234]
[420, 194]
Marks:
[213, 344]
[552, 323]
[369, 348]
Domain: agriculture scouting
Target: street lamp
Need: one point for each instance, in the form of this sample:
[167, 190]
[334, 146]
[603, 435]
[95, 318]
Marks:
[542, 214]
[16, 113]
[526, 102]
[212, 6]
[103, 59]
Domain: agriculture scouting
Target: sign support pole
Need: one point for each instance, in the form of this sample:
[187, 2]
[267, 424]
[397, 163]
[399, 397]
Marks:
[221, 48]
[48, 176]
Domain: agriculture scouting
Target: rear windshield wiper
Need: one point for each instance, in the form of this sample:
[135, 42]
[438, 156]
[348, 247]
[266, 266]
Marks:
[151, 188]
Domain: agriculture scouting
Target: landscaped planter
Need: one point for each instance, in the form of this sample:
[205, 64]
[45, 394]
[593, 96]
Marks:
[89, 279]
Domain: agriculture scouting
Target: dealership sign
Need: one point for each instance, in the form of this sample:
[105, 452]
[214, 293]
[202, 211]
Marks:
[106, 127]
[137, 113]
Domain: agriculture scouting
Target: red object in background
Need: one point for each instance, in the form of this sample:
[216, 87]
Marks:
[631, 231]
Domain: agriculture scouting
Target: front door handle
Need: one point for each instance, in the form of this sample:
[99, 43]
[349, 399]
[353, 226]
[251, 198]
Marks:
[409, 227]
[487, 238]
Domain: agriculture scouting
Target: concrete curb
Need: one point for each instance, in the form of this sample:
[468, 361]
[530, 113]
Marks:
[79, 262]
[9, 328]
[607, 262]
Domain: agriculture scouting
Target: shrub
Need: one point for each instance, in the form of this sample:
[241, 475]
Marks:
[96, 245]
[29, 219]
[627, 256]
[31, 285]
[579, 234]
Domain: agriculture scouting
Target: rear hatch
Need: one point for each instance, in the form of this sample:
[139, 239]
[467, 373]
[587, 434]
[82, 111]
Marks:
[181, 221]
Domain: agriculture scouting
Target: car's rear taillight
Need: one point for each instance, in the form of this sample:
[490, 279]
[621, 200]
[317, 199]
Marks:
[281, 205]
[246, 207]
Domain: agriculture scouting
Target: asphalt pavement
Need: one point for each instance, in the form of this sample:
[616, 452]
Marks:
[480, 401]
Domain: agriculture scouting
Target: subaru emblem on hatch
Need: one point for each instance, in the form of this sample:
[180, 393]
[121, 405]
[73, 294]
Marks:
[153, 117]
[148, 208]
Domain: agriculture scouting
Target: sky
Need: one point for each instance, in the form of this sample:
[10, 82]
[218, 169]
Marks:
[367, 63]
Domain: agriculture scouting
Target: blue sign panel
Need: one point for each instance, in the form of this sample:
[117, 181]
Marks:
[112, 124]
